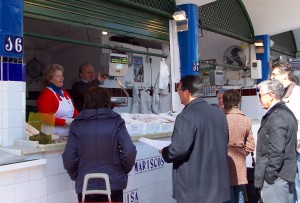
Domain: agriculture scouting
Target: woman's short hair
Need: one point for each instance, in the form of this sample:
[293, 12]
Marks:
[231, 99]
[97, 97]
[50, 71]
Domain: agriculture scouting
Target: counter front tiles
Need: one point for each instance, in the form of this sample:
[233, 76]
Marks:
[50, 183]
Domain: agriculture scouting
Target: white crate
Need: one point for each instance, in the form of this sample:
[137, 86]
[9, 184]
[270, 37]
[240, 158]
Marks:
[152, 127]
[166, 127]
[134, 127]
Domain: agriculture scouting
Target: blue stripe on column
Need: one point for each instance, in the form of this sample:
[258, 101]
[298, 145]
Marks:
[188, 41]
[13, 72]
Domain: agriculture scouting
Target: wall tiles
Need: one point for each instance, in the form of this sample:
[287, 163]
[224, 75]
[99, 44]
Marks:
[22, 192]
[12, 107]
[52, 184]
[165, 198]
[39, 200]
[5, 138]
[16, 86]
[38, 188]
[5, 118]
[36, 172]
[14, 133]
[54, 198]
[53, 154]
[65, 183]
[4, 100]
[139, 180]
[69, 196]
[1, 135]
[13, 71]
[51, 166]
[9, 192]
[149, 192]
[13, 118]
[131, 183]
[16, 100]
[21, 175]
[61, 165]
[7, 178]
[4, 86]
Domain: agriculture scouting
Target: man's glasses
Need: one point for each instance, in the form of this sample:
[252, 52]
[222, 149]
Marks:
[180, 89]
[261, 95]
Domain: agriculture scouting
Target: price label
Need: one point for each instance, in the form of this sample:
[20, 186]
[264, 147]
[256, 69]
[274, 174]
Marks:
[13, 44]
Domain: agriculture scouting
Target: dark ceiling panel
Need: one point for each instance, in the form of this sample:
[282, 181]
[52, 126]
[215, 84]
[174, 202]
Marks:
[284, 43]
[227, 17]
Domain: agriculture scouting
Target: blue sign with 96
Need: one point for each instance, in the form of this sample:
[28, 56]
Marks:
[13, 44]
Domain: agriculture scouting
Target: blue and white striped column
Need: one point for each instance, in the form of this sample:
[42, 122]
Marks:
[12, 72]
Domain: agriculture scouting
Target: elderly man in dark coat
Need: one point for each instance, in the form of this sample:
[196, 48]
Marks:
[275, 168]
[198, 148]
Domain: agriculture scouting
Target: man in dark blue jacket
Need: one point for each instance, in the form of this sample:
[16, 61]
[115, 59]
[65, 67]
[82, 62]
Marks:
[98, 142]
[198, 148]
[275, 168]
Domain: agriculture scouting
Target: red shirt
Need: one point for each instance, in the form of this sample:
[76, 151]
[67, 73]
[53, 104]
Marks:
[48, 103]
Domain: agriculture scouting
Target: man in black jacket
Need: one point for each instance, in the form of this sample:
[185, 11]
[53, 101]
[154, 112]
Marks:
[87, 80]
[275, 168]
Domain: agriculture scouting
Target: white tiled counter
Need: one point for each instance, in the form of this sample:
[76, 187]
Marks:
[149, 181]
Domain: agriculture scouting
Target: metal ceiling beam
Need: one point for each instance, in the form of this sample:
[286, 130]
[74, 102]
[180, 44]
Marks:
[90, 44]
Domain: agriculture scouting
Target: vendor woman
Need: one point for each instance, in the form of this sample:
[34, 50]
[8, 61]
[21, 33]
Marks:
[56, 101]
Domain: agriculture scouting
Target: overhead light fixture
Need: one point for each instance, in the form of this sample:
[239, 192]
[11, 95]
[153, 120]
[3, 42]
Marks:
[179, 16]
[259, 43]
[181, 20]
[104, 33]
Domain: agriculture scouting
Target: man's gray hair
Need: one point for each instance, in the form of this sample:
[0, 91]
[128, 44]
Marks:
[273, 86]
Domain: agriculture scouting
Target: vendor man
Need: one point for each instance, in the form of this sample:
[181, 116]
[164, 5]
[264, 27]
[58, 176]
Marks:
[87, 80]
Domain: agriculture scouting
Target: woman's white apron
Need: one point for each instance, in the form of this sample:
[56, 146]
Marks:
[65, 110]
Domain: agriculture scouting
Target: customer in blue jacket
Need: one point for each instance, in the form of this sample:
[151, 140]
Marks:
[198, 148]
[98, 142]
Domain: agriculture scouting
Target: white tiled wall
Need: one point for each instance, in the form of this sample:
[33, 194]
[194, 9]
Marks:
[12, 108]
[51, 184]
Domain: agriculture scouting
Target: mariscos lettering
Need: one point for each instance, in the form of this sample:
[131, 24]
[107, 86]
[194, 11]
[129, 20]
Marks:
[148, 164]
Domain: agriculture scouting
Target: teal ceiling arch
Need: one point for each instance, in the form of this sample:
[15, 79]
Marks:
[227, 17]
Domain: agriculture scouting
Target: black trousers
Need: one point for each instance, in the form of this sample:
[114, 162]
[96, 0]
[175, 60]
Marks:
[116, 196]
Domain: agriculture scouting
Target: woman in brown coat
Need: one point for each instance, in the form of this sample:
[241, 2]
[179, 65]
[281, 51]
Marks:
[240, 144]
